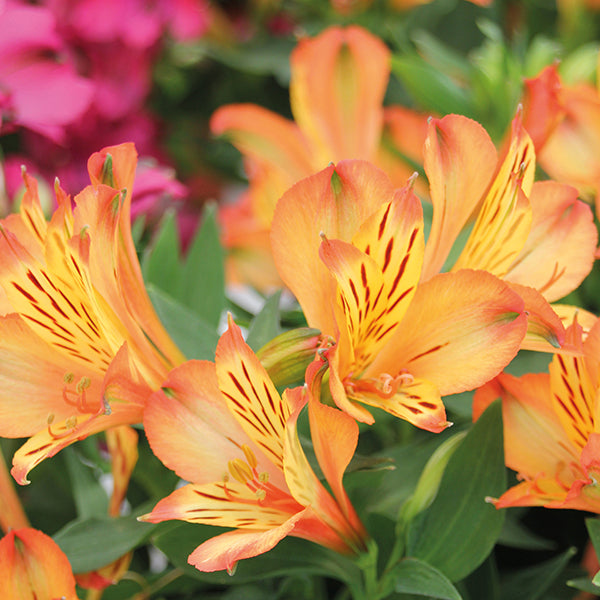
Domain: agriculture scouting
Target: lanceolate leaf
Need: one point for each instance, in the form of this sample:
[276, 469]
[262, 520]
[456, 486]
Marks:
[413, 576]
[459, 529]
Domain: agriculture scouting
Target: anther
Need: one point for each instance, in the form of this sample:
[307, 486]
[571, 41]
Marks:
[83, 384]
[260, 494]
[68, 378]
[250, 458]
[263, 477]
[240, 470]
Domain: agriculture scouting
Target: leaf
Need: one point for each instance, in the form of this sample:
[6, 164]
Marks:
[96, 542]
[432, 89]
[90, 497]
[413, 576]
[203, 275]
[161, 266]
[265, 325]
[515, 535]
[458, 531]
[194, 337]
[532, 583]
[290, 556]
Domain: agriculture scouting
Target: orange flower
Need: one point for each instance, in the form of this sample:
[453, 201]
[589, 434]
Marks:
[551, 437]
[225, 428]
[564, 122]
[351, 250]
[538, 237]
[33, 566]
[338, 80]
[83, 349]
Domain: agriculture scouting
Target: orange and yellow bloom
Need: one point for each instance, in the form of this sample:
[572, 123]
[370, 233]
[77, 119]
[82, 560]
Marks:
[351, 249]
[337, 86]
[81, 347]
[32, 567]
[225, 428]
[537, 236]
[551, 428]
[564, 122]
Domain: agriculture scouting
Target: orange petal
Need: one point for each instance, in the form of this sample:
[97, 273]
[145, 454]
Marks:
[305, 487]
[225, 504]
[121, 401]
[208, 436]
[223, 551]
[559, 252]
[114, 166]
[542, 109]
[337, 86]
[250, 393]
[456, 340]
[277, 154]
[460, 160]
[571, 154]
[535, 443]
[335, 201]
[417, 402]
[545, 330]
[122, 445]
[401, 150]
[33, 566]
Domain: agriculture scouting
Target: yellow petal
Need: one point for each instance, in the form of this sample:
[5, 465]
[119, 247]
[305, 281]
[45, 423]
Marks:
[251, 395]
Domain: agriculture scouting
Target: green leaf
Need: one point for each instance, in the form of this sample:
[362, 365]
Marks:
[432, 89]
[161, 266]
[413, 576]
[194, 337]
[532, 583]
[457, 532]
[290, 556]
[203, 276]
[593, 527]
[515, 535]
[585, 585]
[265, 325]
[96, 542]
[90, 497]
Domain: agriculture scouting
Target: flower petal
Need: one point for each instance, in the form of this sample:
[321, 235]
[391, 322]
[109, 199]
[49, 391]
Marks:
[251, 395]
[460, 159]
[337, 86]
[223, 504]
[559, 251]
[534, 439]
[208, 436]
[33, 566]
[418, 402]
[223, 551]
[460, 330]
[504, 220]
[335, 201]
[545, 330]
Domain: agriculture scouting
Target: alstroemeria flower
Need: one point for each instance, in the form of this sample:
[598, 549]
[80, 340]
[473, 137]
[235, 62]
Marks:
[33, 567]
[537, 236]
[351, 249]
[551, 428]
[225, 428]
[338, 81]
[83, 349]
[564, 122]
